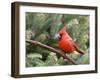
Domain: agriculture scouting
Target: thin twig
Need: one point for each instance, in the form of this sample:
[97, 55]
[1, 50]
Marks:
[52, 49]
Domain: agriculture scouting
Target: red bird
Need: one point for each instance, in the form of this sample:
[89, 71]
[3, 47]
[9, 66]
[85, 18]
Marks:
[66, 43]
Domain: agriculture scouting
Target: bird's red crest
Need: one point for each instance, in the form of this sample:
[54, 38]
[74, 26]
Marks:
[63, 30]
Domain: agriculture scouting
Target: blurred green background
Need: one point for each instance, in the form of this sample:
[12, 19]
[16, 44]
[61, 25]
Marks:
[42, 27]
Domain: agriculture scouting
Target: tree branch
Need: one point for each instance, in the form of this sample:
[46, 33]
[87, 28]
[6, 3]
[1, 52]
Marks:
[52, 49]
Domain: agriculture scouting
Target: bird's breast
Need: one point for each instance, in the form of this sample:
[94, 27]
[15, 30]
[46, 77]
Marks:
[66, 45]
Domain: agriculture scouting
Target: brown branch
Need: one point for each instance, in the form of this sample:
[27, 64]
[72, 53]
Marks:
[52, 49]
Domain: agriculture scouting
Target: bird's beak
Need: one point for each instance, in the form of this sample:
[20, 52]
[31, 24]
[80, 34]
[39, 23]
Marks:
[57, 36]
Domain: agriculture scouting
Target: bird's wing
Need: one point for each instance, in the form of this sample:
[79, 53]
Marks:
[76, 47]
[74, 44]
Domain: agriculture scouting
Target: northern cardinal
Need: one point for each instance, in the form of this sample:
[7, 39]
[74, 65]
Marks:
[66, 43]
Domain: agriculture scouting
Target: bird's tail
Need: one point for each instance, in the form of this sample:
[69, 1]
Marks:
[77, 49]
[80, 51]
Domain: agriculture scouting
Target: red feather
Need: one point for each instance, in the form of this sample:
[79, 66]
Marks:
[66, 43]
